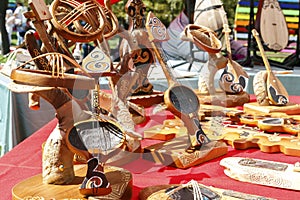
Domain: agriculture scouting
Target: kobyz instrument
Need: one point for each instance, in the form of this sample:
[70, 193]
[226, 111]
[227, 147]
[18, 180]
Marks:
[209, 13]
[272, 25]
[277, 93]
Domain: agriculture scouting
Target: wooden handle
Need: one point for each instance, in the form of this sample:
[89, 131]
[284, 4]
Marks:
[158, 32]
[262, 51]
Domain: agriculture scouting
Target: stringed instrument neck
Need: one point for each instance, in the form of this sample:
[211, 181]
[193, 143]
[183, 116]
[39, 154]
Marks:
[227, 40]
[261, 48]
[157, 33]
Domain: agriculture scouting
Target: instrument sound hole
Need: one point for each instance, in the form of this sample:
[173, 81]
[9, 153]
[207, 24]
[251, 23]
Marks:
[96, 136]
[184, 99]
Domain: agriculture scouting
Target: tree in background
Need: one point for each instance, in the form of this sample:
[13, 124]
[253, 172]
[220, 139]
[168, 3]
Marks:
[4, 35]
[167, 10]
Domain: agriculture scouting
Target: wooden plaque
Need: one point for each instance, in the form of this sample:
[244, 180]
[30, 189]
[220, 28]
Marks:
[120, 180]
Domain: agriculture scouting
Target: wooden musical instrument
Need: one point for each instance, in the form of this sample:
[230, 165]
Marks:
[181, 100]
[135, 53]
[82, 21]
[233, 78]
[55, 78]
[262, 172]
[272, 25]
[277, 93]
[40, 15]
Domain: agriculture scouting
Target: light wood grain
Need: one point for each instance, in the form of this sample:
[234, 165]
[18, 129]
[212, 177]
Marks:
[120, 180]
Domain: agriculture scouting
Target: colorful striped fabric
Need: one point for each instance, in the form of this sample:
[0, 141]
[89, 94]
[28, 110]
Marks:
[290, 9]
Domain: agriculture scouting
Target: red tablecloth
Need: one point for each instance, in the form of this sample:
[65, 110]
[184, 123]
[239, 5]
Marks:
[24, 161]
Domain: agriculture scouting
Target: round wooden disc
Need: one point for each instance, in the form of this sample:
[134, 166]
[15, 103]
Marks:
[119, 178]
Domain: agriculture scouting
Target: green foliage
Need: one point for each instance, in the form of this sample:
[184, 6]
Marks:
[229, 7]
[167, 10]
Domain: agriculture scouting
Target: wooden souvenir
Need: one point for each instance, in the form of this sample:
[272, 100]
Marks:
[221, 98]
[278, 125]
[254, 108]
[136, 55]
[262, 172]
[233, 78]
[276, 92]
[288, 145]
[168, 130]
[272, 122]
[203, 37]
[40, 16]
[179, 99]
[207, 40]
[172, 153]
[272, 24]
[119, 178]
[74, 20]
[54, 78]
[162, 192]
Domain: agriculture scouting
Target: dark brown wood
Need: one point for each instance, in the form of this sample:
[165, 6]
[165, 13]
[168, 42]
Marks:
[45, 79]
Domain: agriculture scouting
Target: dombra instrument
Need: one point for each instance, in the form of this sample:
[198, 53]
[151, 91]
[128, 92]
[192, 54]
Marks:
[233, 78]
[271, 24]
[276, 92]
[180, 100]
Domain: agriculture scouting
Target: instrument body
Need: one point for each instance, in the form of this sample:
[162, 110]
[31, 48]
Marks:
[272, 24]
[92, 138]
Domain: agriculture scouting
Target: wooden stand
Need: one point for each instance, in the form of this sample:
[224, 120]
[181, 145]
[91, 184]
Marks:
[221, 98]
[120, 180]
[255, 108]
[173, 153]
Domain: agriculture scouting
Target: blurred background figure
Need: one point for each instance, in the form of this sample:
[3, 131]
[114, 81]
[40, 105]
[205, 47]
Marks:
[9, 23]
[177, 49]
[20, 22]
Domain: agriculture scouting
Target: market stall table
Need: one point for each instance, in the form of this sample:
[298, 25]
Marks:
[17, 120]
[24, 161]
